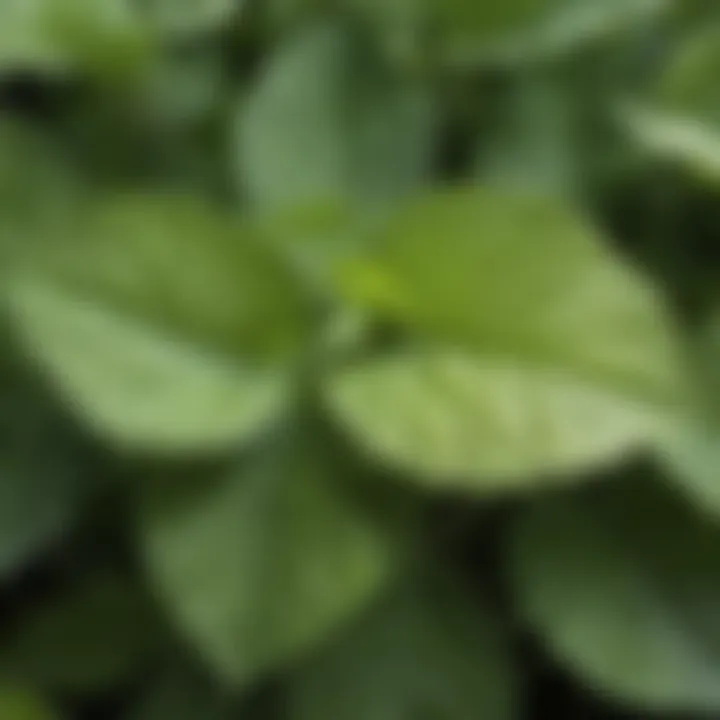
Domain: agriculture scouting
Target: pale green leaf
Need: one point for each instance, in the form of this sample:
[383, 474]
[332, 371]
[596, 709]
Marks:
[541, 352]
[188, 17]
[25, 40]
[104, 36]
[327, 121]
[686, 141]
[164, 324]
[260, 566]
[680, 120]
[484, 423]
[623, 587]
[425, 651]
[692, 456]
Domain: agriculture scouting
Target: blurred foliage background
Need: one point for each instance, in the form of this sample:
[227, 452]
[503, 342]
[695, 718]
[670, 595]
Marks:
[359, 359]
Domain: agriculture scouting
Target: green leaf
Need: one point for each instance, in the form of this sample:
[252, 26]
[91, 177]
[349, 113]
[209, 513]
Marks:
[328, 122]
[425, 651]
[61, 35]
[456, 420]
[532, 142]
[536, 350]
[281, 16]
[21, 704]
[262, 565]
[684, 141]
[24, 40]
[692, 452]
[623, 586]
[39, 490]
[38, 185]
[680, 121]
[692, 456]
[94, 637]
[468, 32]
[189, 17]
[166, 325]
[182, 695]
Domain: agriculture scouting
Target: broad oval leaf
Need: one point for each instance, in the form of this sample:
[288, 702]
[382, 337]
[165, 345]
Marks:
[262, 565]
[328, 121]
[623, 587]
[165, 325]
[540, 351]
[456, 420]
[426, 650]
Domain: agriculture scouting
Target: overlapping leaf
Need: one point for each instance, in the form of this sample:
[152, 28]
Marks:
[469, 32]
[104, 36]
[426, 650]
[623, 586]
[259, 567]
[535, 349]
[60, 35]
[680, 121]
[164, 324]
[327, 121]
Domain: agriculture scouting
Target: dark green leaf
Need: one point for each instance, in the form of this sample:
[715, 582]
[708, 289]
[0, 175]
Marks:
[623, 586]
[41, 481]
[182, 695]
[425, 652]
[92, 638]
[533, 143]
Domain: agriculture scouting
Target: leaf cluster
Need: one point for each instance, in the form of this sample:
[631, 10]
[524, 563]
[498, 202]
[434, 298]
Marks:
[359, 359]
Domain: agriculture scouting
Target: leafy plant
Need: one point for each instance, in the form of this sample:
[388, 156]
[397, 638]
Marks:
[359, 359]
